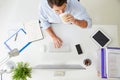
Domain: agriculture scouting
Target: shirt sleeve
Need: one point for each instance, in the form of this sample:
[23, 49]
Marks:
[43, 18]
[81, 14]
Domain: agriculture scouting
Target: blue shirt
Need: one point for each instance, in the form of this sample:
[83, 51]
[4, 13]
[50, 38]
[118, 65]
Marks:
[47, 15]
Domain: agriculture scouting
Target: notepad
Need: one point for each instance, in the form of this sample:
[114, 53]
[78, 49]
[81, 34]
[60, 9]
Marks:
[33, 30]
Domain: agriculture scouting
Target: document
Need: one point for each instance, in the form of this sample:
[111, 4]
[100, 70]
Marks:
[109, 62]
[113, 63]
[33, 30]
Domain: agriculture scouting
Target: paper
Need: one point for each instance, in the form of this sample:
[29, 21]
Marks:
[113, 64]
[110, 63]
[33, 30]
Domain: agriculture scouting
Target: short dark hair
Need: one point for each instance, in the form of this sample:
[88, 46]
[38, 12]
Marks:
[56, 2]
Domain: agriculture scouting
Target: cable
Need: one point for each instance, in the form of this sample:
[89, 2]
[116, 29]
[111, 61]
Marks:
[4, 60]
[12, 53]
[1, 76]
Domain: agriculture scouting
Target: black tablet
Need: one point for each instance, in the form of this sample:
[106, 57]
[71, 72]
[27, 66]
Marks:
[100, 38]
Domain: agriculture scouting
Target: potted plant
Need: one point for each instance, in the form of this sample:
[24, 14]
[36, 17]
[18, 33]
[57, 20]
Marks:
[22, 71]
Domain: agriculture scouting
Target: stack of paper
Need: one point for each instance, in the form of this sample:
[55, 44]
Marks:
[110, 63]
[113, 62]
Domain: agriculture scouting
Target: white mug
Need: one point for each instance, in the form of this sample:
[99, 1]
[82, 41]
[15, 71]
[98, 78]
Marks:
[62, 16]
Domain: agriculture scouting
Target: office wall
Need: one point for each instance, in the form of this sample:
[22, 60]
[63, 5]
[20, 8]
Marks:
[103, 11]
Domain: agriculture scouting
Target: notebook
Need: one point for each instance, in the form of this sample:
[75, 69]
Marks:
[33, 30]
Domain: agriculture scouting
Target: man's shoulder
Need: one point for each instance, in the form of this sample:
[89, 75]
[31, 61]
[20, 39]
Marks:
[44, 5]
[72, 1]
[43, 2]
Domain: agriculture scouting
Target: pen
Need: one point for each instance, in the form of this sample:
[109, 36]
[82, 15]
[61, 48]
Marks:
[16, 37]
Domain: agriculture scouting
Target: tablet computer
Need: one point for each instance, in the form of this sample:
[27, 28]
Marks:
[100, 38]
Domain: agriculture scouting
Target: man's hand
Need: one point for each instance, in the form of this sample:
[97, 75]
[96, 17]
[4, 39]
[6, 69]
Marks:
[69, 18]
[80, 23]
[57, 42]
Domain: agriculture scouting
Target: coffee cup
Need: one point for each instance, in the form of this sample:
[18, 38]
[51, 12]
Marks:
[63, 17]
[87, 62]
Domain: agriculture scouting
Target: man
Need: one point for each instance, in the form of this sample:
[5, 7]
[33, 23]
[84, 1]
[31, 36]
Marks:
[51, 9]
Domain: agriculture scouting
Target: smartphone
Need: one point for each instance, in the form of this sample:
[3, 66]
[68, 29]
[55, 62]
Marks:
[78, 48]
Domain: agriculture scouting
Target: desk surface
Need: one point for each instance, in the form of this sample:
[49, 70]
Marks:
[73, 35]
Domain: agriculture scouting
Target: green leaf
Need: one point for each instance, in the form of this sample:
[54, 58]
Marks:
[22, 71]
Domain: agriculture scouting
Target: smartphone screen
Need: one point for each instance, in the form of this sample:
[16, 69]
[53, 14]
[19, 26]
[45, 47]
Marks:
[78, 48]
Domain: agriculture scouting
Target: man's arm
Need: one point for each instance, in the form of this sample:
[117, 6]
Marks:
[46, 25]
[80, 23]
[80, 16]
[57, 41]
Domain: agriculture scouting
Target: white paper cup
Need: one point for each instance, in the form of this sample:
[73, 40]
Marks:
[63, 16]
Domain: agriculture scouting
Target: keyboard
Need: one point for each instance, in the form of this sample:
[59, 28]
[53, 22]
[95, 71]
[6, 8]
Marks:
[63, 48]
[73, 66]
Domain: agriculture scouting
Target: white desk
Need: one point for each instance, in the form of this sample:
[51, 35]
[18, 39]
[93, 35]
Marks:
[73, 35]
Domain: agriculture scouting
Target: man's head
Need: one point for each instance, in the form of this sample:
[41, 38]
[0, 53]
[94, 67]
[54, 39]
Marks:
[58, 5]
